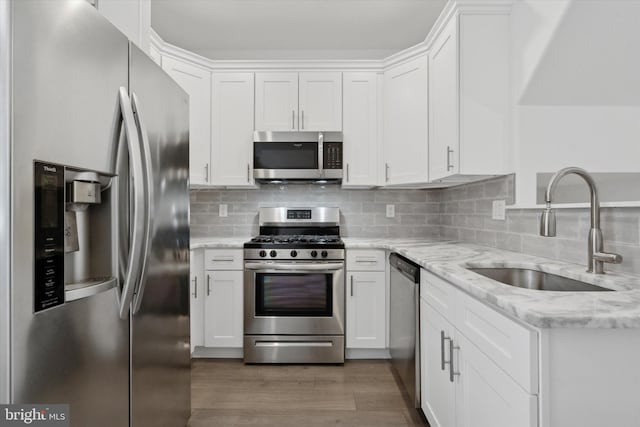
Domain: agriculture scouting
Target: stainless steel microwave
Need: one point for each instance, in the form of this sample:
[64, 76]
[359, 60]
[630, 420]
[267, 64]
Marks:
[282, 156]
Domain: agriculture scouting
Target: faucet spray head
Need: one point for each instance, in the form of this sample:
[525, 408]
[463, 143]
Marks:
[548, 222]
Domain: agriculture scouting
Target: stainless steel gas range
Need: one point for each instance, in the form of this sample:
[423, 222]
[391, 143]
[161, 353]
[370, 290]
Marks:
[294, 288]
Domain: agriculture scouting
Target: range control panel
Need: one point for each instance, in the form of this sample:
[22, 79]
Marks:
[48, 236]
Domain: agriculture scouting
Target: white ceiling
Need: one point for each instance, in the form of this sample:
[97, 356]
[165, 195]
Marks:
[294, 29]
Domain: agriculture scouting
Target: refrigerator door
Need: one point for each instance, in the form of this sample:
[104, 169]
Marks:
[160, 350]
[68, 64]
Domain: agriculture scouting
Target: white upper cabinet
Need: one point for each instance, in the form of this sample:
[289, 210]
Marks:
[282, 104]
[276, 101]
[320, 101]
[468, 100]
[197, 83]
[405, 132]
[443, 103]
[232, 129]
[360, 129]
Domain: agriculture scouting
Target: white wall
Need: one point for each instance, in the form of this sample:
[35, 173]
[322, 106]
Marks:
[554, 124]
[132, 17]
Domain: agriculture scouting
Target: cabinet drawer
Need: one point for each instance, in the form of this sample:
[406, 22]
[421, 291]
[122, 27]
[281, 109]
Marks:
[365, 260]
[511, 346]
[438, 293]
[223, 259]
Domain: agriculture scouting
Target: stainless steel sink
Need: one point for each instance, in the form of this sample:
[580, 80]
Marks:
[534, 279]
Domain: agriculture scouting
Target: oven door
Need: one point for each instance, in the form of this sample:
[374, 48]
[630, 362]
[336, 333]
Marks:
[286, 160]
[294, 298]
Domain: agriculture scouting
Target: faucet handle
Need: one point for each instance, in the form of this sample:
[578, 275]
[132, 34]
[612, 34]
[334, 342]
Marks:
[608, 257]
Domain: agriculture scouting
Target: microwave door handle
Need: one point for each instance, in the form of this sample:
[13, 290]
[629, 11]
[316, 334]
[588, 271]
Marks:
[321, 154]
[132, 272]
[149, 201]
[293, 267]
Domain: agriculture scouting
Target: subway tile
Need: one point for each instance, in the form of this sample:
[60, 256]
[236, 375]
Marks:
[466, 206]
[541, 246]
[509, 241]
[468, 235]
[475, 221]
[451, 233]
[495, 189]
[493, 224]
[574, 251]
[487, 238]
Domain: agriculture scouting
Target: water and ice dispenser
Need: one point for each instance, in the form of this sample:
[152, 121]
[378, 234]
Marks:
[75, 229]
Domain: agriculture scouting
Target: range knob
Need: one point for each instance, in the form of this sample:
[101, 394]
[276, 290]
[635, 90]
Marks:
[294, 254]
[273, 254]
[263, 254]
[324, 254]
[314, 253]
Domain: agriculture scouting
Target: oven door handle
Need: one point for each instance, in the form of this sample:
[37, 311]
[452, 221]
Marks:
[298, 267]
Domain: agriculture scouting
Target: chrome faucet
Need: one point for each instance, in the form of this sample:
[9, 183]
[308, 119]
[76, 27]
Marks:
[596, 256]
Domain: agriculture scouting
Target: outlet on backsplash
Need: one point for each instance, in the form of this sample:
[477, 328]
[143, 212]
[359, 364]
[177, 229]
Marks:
[391, 211]
[498, 211]
[222, 210]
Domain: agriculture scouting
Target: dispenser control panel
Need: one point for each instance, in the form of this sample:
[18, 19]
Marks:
[48, 236]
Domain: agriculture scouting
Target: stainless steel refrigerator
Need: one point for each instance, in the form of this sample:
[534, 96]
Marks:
[94, 221]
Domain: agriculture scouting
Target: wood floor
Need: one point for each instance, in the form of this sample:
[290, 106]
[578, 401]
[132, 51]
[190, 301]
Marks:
[359, 394]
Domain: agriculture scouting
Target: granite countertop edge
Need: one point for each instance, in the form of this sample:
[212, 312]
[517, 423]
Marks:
[542, 309]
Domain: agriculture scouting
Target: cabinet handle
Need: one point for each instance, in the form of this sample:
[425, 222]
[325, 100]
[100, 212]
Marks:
[248, 173]
[386, 172]
[351, 285]
[293, 119]
[302, 119]
[347, 172]
[206, 172]
[452, 347]
[208, 285]
[449, 153]
[222, 259]
[443, 338]
[195, 287]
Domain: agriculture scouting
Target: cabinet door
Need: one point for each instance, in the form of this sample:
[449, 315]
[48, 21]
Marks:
[197, 83]
[443, 105]
[232, 128]
[223, 309]
[366, 308]
[197, 299]
[360, 125]
[276, 101]
[405, 139]
[320, 101]
[485, 395]
[438, 397]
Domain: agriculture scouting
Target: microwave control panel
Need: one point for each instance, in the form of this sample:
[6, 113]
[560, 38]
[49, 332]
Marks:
[48, 236]
[332, 155]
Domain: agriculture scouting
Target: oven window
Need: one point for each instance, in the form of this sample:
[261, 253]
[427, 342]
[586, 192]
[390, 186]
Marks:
[285, 155]
[286, 294]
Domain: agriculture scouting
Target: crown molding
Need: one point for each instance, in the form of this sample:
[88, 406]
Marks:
[452, 9]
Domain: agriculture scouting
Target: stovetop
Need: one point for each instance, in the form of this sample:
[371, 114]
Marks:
[295, 241]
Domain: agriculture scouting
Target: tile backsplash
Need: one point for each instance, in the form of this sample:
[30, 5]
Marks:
[466, 214]
[363, 212]
[460, 213]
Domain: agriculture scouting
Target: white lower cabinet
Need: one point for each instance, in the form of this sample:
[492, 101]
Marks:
[366, 304]
[438, 398]
[223, 309]
[463, 386]
[197, 299]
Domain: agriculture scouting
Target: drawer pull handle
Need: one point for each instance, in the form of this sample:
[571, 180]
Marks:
[443, 362]
[222, 259]
[452, 372]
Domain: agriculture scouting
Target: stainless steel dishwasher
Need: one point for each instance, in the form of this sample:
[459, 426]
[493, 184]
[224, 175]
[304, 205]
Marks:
[404, 336]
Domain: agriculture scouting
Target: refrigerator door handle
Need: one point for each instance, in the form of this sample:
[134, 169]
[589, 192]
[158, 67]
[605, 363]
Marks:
[132, 272]
[149, 201]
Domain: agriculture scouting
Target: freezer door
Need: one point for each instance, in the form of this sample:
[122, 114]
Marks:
[68, 64]
[160, 364]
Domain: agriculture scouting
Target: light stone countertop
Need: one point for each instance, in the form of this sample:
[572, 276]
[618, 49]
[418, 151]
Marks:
[543, 309]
